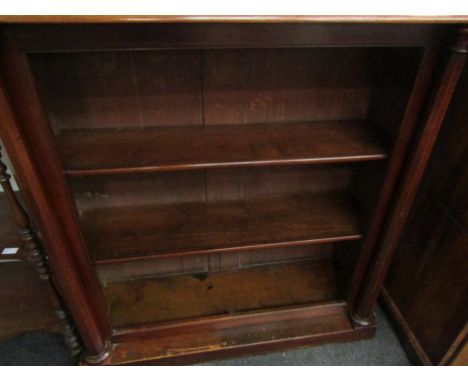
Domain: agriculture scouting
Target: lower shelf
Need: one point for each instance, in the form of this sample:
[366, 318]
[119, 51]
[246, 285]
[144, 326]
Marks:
[195, 318]
[142, 232]
[183, 297]
[326, 324]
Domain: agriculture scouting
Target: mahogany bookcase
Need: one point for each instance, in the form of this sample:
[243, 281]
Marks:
[210, 188]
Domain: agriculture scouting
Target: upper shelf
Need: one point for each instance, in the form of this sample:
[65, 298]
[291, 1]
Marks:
[135, 150]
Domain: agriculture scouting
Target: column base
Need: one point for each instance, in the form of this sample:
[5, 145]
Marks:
[362, 321]
[98, 358]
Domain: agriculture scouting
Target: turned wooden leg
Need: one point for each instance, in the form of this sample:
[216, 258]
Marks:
[363, 310]
[36, 256]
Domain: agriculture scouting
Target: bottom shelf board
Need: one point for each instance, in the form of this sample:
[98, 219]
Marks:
[330, 324]
[184, 297]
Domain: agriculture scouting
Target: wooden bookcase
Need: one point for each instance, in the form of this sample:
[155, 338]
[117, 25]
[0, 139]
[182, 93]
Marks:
[211, 189]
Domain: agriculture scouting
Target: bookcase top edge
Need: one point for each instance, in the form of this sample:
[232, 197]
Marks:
[107, 19]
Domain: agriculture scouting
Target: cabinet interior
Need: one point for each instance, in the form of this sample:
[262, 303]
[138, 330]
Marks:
[216, 182]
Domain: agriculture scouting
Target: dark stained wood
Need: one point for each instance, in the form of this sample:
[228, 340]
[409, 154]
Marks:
[119, 89]
[107, 151]
[25, 303]
[223, 261]
[208, 186]
[244, 86]
[430, 287]
[402, 145]
[100, 84]
[136, 232]
[8, 231]
[71, 37]
[130, 89]
[333, 325]
[112, 19]
[403, 74]
[446, 179]
[34, 252]
[213, 186]
[39, 177]
[32, 247]
[427, 278]
[209, 294]
[414, 172]
[17, 211]
[226, 321]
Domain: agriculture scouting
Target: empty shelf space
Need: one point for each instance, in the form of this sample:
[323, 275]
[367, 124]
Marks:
[131, 150]
[182, 297]
[136, 232]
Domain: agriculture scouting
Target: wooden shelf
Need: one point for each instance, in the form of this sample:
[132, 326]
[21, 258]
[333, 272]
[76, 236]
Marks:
[180, 319]
[133, 150]
[136, 232]
[184, 297]
[320, 325]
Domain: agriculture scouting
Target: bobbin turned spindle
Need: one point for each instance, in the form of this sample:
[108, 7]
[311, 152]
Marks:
[35, 253]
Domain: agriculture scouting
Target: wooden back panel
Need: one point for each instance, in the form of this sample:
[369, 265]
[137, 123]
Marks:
[206, 186]
[190, 87]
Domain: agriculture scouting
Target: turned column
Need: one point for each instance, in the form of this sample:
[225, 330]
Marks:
[27, 136]
[35, 253]
[363, 310]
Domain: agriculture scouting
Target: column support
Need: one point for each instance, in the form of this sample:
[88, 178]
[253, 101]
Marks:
[362, 313]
